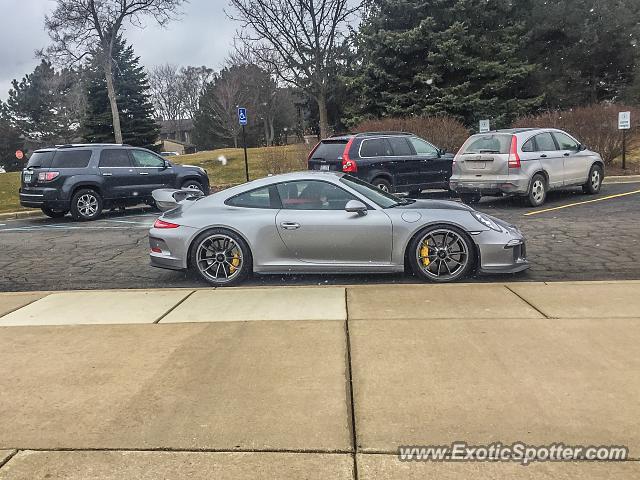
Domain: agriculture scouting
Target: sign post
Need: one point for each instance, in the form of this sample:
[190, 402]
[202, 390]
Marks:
[485, 126]
[242, 120]
[624, 124]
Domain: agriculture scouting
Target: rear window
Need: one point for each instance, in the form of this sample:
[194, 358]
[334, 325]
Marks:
[71, 159]
[40, 159]
[265, 197]
[492, 143]
[332, 150]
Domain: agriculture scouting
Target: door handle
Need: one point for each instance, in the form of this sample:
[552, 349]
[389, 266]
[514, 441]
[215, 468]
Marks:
[290, 225]
[567, 154]
[144, 173]
[543, 156]
[107, 174]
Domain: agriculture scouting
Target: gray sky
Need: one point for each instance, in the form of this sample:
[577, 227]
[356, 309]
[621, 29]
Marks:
[202, 37]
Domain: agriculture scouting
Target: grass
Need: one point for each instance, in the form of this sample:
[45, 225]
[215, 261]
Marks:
[262, 161]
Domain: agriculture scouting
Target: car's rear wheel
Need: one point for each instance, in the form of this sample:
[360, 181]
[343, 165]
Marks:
[441, 254]
[537, 190]
[193, 184]
[470, 198]
[49, 212]
[382, 183]
[86, 205]
[221, 257]
[594, 182]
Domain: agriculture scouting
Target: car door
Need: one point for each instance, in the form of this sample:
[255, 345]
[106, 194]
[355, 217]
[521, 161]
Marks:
[316, 229]
[378, 156]
[152, 170]
[550, 158]
[433, 168]
[119, 177]
[576, 164]
[408, 166]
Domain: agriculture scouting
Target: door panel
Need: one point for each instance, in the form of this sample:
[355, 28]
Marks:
[575, 162]
[151, 172]
[432, 168]
[119, 177]
[551, 159]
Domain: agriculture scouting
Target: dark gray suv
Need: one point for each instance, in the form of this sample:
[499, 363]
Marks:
[85, 179]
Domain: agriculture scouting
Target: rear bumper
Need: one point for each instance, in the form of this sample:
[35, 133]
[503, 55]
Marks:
[42, 197]
[169, 248]
[500, 184]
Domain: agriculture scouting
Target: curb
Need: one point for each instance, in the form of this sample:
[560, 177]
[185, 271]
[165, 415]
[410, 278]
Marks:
[25, 214]
[622, 179]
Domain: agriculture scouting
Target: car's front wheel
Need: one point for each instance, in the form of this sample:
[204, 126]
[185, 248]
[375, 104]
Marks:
[221, 257]
[193, 185]
[594, 182]
[49, 212]
[441, 254]
[86, 204]
[382, 184]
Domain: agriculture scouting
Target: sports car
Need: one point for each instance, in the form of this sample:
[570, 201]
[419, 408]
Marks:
[326, 222]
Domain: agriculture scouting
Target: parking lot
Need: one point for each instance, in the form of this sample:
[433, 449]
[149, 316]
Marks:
[571, 237]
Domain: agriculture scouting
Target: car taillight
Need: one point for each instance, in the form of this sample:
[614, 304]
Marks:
[47, 176]
[162, 224]
[313, 150]
[348, 165]
[514, 158]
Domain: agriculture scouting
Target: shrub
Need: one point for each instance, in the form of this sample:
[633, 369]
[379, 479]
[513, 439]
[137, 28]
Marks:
[444, 132]
[275, 160]
[595, 125]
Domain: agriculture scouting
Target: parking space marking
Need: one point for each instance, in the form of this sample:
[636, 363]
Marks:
[575, 204]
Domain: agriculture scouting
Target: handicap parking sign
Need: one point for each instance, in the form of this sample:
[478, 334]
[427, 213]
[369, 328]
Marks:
[242, 116]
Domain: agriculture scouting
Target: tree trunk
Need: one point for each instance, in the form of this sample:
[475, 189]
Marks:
[322, 111]
[265, 124]
[111, 92]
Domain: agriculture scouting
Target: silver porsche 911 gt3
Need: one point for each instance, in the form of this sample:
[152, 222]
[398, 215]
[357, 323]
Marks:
[326, 222]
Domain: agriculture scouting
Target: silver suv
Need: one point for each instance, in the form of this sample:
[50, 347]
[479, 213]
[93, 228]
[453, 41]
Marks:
[524, 161]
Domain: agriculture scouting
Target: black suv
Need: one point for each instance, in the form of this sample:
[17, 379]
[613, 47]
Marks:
[392, 161]
[84, 179]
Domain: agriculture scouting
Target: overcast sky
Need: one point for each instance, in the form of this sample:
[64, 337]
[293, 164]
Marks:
[202, 37]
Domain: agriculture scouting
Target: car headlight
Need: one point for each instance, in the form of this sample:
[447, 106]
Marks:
[202, 170]
[486, 221]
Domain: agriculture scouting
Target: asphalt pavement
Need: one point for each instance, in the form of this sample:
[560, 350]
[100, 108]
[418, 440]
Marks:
[572, 237]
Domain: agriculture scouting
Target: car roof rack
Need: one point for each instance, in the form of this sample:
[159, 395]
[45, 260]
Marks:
[74, 145]
[385, 132]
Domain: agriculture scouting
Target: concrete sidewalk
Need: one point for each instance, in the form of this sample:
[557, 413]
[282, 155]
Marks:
[316, 382]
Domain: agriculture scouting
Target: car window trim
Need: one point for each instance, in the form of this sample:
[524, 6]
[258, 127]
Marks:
[268, 187]
[437, 150]
[366, 201]
[376, 138]
[133, 158]
[553, 135]
[115, 149]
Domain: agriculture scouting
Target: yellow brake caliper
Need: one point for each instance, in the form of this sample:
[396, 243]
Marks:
[235, 263]
[424, 253]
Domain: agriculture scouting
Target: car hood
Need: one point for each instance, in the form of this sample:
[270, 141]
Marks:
[435, 205]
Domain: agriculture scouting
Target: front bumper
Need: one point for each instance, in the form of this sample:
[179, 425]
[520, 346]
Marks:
[501, 252]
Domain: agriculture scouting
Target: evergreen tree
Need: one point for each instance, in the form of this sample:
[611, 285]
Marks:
[10, 141]
[132, 91]
[455, 57]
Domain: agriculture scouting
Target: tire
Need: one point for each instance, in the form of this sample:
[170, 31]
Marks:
[193, 184]
[470, 198]
[537, 190]
[206, 257]
[382, 184]
[594, 181]
[86, 205]
[449, 254]
[414, 193]
[54, 213]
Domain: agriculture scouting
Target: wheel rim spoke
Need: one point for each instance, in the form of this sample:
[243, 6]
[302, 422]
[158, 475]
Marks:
[219, 258]
[448, 254]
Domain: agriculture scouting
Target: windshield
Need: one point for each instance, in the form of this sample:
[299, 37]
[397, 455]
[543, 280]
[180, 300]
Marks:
[491, 143]
[380, 198]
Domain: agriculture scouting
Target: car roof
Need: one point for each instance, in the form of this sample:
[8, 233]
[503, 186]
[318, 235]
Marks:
[348, 136]
[80, 145]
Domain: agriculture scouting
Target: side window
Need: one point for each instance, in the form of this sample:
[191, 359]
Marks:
[545, 142]
[529, 146]
[114, 157]
[146, 159]
[400, 146]
[423, 148]
[313, 195]
[565, 141]
[71, 159]
[259, 198]
[375, 147]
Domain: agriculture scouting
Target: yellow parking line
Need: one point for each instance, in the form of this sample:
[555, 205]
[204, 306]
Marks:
[608, 197]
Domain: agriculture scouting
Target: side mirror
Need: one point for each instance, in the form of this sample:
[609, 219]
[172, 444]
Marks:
[441, 152]
[165, 164]
[355, 206]
[581, 147]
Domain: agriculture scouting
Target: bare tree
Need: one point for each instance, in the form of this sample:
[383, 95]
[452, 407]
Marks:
[165, 84]
[299, 39]
[193, 81]
[80, 27]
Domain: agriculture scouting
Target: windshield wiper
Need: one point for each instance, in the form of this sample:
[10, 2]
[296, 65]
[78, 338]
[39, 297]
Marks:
[407, 201]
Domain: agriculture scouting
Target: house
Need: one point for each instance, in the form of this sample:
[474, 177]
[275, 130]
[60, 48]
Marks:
[177, 135]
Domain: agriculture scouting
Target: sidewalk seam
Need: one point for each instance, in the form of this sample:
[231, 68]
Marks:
[183, 450]
[526, 301]
[6, 460]
[173, 308]
[354, 437]
[21, 307]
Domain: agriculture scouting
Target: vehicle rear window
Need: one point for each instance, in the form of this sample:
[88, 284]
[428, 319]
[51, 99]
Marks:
[71, 159]
[40, 159]
[330, 150]
[376, 147]
[114, 157]
[492, 143]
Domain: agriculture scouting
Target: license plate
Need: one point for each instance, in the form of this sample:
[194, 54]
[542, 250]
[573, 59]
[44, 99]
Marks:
[324, 167]
[27, 177]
